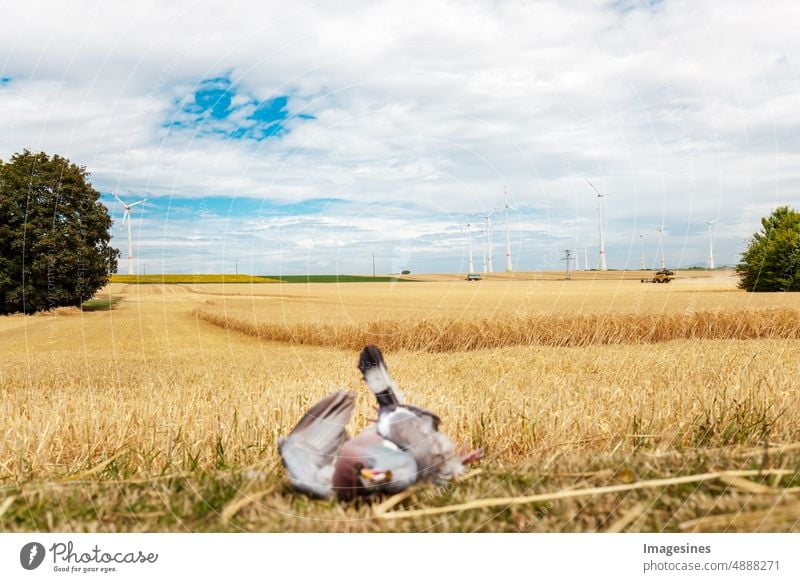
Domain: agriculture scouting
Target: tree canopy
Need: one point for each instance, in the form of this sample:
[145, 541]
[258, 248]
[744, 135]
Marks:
[772, 259]
[54, 234]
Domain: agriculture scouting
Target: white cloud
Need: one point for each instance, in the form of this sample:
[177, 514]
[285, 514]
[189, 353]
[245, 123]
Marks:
[682, 112]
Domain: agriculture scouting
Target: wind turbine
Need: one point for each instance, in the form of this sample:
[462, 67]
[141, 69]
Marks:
[641, 242]
[484, 245]
[470, 266]
[660, 229]
[585, 258]
[710, 264]
[506, 208]
[488, 218]
[127, 216]
[601, 228]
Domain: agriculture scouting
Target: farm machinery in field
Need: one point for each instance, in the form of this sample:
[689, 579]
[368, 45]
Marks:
[662, 276]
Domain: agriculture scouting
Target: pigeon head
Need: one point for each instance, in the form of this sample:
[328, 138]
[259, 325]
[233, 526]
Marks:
[347, 474]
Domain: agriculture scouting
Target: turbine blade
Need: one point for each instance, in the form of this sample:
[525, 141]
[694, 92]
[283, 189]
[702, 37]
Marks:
[592, 185]
[135, 203]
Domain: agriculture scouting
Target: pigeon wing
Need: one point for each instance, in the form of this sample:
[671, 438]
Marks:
[376, 375]
[422, 413]
[417, 431]
[405, 428]
[308, 453]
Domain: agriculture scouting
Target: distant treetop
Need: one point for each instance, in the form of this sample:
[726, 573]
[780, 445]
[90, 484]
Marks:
[772, 259]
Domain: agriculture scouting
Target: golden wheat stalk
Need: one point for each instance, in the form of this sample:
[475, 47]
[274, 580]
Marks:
[442, 334]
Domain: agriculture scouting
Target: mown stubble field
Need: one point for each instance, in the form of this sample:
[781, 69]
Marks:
[163, 413]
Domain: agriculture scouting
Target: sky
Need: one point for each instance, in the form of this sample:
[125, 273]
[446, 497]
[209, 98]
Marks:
[290, 138]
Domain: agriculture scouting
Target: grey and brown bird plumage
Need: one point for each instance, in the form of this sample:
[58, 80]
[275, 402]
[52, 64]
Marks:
[322, 461]
[403, 447]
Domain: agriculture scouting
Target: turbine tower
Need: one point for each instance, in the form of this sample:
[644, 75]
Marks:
[601, 228]
[127, 217]
[488, 218]
[484, 246]
[470, 266]
[710, 264]
[641, 242]
[506, 208]
[660, 229]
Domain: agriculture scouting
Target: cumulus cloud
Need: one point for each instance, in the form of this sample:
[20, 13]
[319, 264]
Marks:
[414, 115]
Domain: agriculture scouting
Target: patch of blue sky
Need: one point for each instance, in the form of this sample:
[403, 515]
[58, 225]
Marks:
[219, 107]
[626, 6]
[5, 81]
[228, 206]
[212, 98]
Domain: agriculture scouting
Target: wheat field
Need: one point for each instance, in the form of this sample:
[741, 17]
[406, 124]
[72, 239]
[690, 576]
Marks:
[162, 414]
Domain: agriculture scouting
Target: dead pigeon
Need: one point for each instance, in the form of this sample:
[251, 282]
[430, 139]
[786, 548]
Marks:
[321, 461]
[403, 447]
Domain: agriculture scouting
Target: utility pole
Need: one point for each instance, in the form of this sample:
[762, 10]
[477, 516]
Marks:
[567, 258]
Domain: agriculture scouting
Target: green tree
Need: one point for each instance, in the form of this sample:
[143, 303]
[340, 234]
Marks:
[54, 234]
[772, 259]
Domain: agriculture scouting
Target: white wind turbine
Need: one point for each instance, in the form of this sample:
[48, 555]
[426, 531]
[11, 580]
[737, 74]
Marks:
[127, 217]
[641, 243]
[488, 218]
[485, 248]
[506, 208]
[470, 266]
[660, 229]
[601, 227]
[710, 264]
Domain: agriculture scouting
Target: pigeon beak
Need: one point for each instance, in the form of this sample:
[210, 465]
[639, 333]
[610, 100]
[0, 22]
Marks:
[376, 476]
